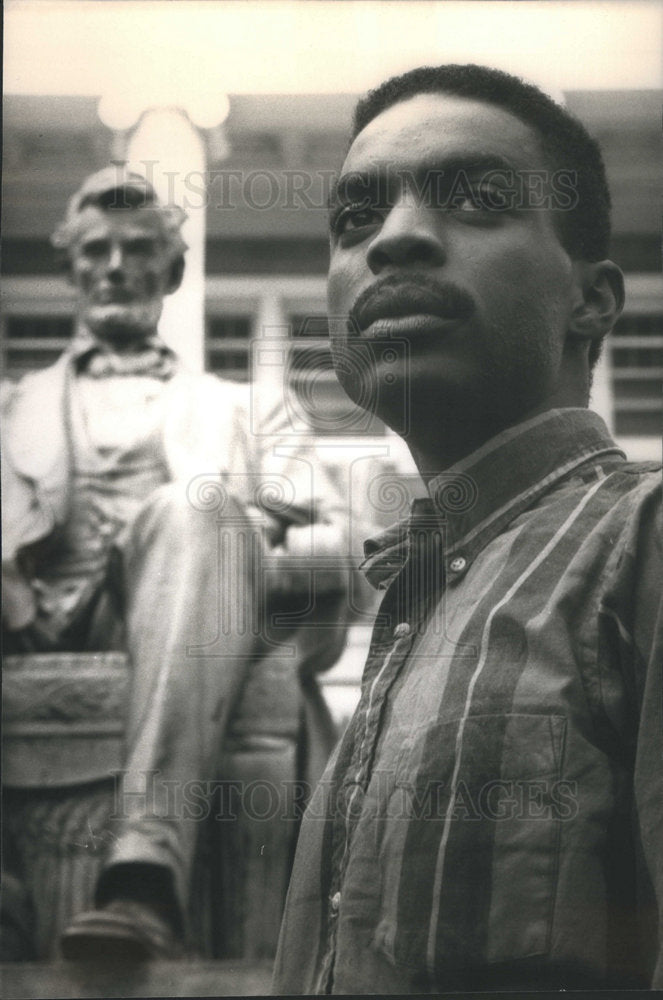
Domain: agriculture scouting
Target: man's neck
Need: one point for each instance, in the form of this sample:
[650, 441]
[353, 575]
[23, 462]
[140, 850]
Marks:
[121, 342]
[436, 449]
[448, 429]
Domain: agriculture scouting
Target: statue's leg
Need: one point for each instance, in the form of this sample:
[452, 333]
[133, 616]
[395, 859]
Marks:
[192, 630]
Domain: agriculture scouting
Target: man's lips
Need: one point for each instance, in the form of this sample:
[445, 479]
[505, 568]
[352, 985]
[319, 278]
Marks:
[401, 306]
[408, 325]
[113, 296]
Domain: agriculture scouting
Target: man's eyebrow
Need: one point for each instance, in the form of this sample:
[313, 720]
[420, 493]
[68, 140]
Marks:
[473, 163]
[357, 185]
[449, 168]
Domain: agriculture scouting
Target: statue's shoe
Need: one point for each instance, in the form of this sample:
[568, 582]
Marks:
[123, 931]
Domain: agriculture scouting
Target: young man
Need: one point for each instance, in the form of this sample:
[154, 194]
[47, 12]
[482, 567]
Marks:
[492, 817]
[136, 517]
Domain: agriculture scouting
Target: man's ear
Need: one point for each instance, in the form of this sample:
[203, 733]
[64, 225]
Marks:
[176, 274]
[600, 299]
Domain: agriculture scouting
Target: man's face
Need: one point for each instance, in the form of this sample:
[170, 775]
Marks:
[121, 267]
[475, 297]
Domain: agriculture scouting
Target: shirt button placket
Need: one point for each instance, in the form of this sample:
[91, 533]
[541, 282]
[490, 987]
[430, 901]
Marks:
[326, 974]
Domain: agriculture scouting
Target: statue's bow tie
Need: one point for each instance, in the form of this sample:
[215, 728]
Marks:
[152, 361]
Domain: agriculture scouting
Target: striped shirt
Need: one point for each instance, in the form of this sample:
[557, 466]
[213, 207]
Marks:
[492, 817]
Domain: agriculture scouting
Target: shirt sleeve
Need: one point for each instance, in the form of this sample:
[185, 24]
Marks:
[647, 567]
[631, 644]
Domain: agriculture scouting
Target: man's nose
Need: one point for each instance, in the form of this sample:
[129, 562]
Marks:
[115, 261]
[411, 234]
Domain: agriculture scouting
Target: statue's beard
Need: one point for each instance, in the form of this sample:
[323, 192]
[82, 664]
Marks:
[123, 323]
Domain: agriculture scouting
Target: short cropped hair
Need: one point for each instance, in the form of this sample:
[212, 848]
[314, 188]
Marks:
[584, 230]
[118, 188]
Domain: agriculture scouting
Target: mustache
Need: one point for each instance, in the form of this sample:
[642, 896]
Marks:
[398, 295]
[117, 295]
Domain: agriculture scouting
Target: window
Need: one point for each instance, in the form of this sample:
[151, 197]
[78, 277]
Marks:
[31, 342]
[322, 401]
[636, 349]
[310, 350]
[227, 342]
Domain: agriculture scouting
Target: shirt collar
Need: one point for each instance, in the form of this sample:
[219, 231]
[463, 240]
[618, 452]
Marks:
[84, 343]
[477, 498]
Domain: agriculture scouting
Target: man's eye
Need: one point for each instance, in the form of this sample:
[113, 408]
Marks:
[141, 246]
[95, 248]
[482, 199]
[354, 217]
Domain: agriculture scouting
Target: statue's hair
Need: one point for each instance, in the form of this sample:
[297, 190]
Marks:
[118, 188]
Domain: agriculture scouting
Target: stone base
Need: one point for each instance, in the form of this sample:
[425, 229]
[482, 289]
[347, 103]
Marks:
[156, 979]
[63, 739]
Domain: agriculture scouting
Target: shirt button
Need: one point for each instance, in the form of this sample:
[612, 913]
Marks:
[335, 902]
[401, 630]
[458, 564]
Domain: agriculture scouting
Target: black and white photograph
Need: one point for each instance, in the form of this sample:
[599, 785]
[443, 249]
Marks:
[331, 345]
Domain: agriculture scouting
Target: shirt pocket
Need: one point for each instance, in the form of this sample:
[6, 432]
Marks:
[468, 861]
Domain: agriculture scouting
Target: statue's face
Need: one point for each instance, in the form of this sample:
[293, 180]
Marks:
[122, 268]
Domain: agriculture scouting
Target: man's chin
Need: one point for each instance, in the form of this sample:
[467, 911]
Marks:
[120, 324]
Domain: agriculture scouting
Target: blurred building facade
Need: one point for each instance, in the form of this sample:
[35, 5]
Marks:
[269, 169]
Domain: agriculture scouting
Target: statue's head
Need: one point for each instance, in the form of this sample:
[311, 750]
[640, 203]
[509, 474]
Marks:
[124, 251]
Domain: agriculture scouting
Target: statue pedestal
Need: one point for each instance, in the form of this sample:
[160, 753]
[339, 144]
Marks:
[63, 745]
[24, 981]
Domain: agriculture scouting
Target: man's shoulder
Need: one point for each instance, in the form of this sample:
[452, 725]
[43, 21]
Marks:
[35, 392]
[634, 517]
[637, 481]
[641, 468]
[621, 481]
[31, 382]
[612, 498]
